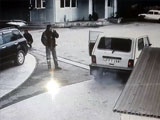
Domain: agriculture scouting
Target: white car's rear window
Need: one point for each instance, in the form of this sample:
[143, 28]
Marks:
[116, 44]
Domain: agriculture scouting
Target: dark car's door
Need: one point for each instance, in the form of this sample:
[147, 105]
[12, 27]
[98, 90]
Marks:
[9, 46]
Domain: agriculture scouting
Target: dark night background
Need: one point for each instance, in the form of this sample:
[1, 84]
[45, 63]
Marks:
[19, 9]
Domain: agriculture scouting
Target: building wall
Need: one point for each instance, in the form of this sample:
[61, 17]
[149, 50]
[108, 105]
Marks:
[71, 13]
[43, 15]
[38, 15]
[66, 13]
[54, 13]
[134, 117]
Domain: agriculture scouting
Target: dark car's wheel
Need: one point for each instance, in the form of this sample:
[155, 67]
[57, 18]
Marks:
[20, 58]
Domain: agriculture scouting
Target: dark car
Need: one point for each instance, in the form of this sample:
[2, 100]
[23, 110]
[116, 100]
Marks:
[13, 46]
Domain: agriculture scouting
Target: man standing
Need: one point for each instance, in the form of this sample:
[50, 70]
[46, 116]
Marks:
[48, 40]
[28, 37]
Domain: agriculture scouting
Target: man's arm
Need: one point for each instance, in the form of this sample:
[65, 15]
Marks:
[55, 34]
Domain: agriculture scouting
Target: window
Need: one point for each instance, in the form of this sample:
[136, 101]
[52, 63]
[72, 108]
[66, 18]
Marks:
[16, 35]
[116, 44]
[68, 3]
[110, 3]
[140, 44]
[62, 3]
[12, 36]
[44, 3]
[7, 37]
[74, 3]
[40, 3]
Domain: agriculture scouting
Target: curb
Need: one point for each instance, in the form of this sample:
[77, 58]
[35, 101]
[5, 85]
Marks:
[68, 24]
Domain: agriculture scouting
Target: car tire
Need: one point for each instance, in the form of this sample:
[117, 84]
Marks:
[20, 58]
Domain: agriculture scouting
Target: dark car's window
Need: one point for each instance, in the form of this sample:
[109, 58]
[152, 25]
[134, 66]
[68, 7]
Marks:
[116, 44]
[16, 34]
[7, 37]
[1, 41]
[12, 36]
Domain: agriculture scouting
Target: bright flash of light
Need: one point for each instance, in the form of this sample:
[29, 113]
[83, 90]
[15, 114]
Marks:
[52, 87]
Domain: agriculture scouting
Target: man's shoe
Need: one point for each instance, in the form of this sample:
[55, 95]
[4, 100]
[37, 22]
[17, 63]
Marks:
[58, 68]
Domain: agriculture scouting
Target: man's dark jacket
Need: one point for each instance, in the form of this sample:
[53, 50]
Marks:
[48, 38]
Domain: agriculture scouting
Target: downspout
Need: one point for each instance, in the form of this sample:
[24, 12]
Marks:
[54, 12]
[115, 8]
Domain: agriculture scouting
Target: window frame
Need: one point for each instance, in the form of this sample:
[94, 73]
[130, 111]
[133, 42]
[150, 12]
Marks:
[39, 4]
[75, 3]
[69, 4]
[62, 5]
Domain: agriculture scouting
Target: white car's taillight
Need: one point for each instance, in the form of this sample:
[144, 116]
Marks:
[130, 63]
[93, 57]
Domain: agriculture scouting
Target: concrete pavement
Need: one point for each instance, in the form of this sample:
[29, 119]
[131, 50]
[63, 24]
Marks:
[90, 100]
[98, 99]
[13, 77]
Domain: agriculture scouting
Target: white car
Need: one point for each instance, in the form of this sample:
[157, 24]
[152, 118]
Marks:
[117, 52]
[151, 15]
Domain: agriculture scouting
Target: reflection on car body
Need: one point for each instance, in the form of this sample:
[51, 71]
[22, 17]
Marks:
[12, 23]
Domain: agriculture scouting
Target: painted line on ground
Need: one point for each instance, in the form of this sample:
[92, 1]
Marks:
[73, 63]
[68, 61]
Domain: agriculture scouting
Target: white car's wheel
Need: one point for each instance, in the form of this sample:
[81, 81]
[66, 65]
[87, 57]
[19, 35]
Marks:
[20, 58]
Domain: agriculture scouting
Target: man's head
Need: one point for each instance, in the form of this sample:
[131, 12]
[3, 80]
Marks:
[48, 27]
[25, 31]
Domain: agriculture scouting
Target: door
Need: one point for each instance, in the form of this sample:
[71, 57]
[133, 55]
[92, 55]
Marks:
[9, 46]
[147, 42]
[93, 35]
[139, 47]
